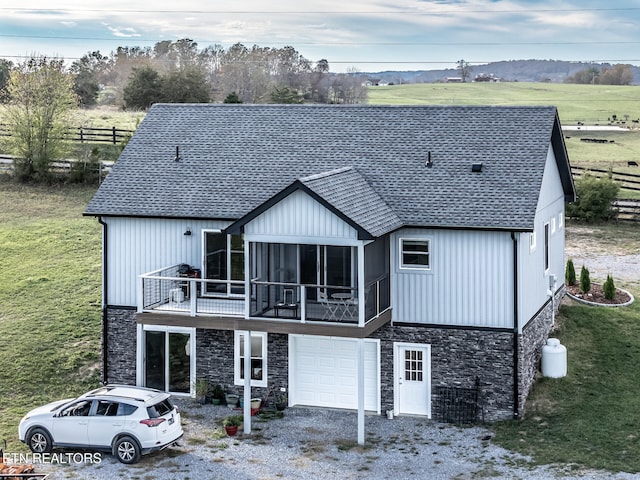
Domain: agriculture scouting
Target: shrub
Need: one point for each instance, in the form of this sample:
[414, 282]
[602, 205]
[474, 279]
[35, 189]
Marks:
[594, 197]
[585, 281]
[609, 288]
[233, 421]
[570, 273]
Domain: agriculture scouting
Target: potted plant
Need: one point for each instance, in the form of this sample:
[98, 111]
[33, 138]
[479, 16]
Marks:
[217, 394]
[231, 424]
[202, 389]
[231, 399]
[281, 401]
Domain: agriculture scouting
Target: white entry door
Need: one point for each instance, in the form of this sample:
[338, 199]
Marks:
[412, 379]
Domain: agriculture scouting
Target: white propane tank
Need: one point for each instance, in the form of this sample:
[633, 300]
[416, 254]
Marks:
[554, 359]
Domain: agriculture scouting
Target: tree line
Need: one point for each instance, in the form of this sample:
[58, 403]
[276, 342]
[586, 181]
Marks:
[179, 72]
[619, 74]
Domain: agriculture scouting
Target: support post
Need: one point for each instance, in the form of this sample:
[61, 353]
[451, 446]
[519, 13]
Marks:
[246, 411]
[360, 384]
[361, 286]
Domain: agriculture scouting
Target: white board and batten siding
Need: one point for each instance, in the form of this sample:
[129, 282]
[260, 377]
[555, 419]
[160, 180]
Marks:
[469, 282]
[298, 218]
[533, 279]
[141, 245]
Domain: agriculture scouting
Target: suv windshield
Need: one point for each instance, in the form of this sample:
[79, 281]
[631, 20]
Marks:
[160, 409]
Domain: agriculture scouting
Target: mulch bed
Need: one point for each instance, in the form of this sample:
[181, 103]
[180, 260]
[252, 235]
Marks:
[596, 295]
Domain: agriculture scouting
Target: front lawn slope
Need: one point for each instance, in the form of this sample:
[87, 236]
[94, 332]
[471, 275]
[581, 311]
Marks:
[50, 265]
[589, 418]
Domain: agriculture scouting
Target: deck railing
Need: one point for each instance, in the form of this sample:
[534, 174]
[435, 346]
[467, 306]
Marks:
[319, 303]
[166, 290]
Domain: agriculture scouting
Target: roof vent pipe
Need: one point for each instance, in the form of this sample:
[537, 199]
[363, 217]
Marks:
[476, 167]
[429, 161]
[177, 157]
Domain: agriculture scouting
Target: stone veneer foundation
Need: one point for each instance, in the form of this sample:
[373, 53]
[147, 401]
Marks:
[459, 357]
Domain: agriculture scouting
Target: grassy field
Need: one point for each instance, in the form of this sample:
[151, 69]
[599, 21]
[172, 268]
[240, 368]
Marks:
[108, 117]
[590, 104]
[589, 418]
[50, 265]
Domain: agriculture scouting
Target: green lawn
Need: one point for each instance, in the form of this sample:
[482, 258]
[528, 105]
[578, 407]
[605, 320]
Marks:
[589, 418]
[101, 117]
[50, 263]
[590, 104]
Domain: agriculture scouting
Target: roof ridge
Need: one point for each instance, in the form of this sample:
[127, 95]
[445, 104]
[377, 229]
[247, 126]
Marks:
[328, 173]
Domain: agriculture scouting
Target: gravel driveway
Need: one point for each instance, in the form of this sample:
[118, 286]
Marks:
[602, 258]
[320, 444]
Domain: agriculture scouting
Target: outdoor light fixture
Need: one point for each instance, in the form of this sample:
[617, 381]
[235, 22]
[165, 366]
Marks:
[187, 233]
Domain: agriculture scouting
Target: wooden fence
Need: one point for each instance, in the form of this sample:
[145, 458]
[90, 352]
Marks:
[61, 167]
[627, 181]
[627, 210]
[88, 134]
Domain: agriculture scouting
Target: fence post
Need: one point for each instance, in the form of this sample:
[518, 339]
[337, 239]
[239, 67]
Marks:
[114, 135]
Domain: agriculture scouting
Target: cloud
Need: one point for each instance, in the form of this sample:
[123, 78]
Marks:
[358, 31]
[124, 32]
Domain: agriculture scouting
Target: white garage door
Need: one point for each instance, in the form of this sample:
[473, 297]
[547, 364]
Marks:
[323, 372]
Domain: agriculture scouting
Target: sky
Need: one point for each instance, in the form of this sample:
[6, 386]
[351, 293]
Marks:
[358, 35]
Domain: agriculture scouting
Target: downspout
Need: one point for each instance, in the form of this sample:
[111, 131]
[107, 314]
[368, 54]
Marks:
[105, 318]
[516, 360]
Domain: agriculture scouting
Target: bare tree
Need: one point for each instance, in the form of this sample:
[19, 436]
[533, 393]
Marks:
[464, 69]
[347, 88]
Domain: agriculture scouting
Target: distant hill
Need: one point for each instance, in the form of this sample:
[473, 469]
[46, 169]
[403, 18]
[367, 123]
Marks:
[555, 71]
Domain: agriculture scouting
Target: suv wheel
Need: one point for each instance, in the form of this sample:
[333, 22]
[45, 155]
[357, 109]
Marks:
[39, 441]
[126, 450]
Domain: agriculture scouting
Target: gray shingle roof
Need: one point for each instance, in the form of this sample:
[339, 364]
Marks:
[348, 192]
[233, 158]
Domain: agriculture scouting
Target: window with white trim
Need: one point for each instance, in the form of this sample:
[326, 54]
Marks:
[546, 247]
[415, 253]
[258, 358]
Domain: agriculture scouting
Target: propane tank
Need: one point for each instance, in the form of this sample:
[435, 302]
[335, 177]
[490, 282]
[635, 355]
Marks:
[554, 359]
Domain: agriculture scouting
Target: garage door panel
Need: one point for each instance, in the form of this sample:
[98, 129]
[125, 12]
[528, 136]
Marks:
[324, 373]
[325, 362]
[346, 363]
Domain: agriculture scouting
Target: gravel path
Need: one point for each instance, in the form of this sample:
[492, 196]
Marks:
[320, 444]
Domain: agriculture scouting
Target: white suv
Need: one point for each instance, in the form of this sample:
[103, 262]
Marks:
[127, 421]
